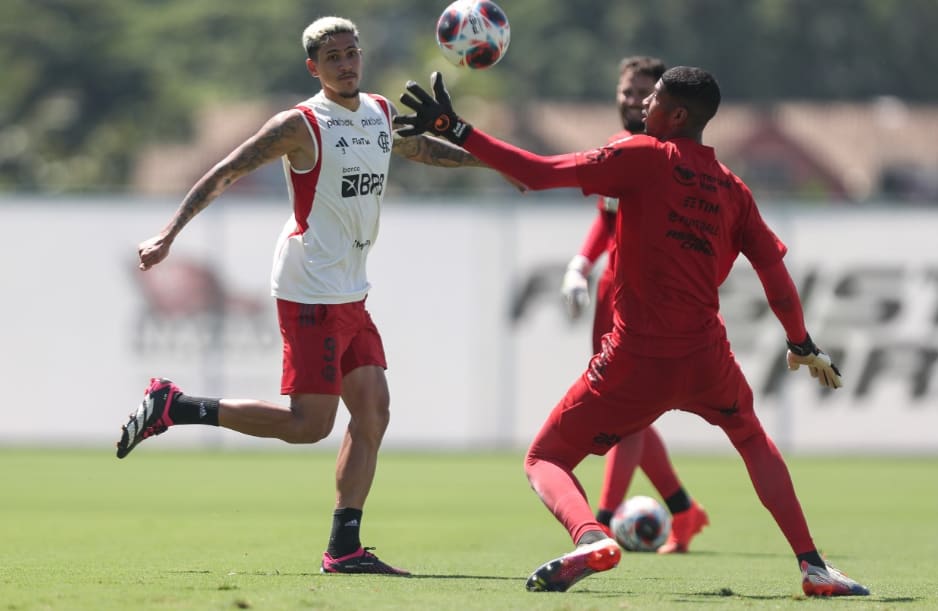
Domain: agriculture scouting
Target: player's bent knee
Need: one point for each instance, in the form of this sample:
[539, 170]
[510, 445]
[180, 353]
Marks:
[309, 432]
[370, 427]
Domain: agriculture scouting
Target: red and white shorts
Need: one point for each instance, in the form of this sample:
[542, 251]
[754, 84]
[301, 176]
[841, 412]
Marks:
[324, 342]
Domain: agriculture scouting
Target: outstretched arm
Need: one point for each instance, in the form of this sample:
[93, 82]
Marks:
[538, 172]
[435, 115]
[433, 151]
[439, 152]
[284, 134]
[429, 150]
[783, 299]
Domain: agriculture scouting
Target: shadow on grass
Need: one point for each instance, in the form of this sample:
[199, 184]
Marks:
[728, 593]
[483, 577]
[342, 575]
[682, 597]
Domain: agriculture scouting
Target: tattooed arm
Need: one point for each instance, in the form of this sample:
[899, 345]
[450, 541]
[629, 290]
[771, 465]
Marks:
[433, 151]
[284, 134]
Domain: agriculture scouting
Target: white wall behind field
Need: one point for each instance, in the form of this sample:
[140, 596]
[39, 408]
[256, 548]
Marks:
[466, 298]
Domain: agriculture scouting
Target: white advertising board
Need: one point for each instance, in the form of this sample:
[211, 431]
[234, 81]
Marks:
[467, 300]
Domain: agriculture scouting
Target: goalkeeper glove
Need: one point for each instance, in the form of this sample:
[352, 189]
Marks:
[432, 115]
[575, 287]
[818, 362]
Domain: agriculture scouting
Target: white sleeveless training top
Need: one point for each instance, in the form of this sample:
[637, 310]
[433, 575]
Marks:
[322, 250]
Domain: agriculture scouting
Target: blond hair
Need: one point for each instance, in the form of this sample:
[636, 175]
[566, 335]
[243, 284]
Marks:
[322, 30]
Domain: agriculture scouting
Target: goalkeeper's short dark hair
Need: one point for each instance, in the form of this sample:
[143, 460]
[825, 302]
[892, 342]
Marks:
[695, 89]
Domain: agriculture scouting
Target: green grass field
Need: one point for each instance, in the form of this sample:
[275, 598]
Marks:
[224, 530]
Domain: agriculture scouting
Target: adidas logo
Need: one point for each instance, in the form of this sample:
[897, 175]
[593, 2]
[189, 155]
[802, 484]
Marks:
[341, 144]
[351, 523]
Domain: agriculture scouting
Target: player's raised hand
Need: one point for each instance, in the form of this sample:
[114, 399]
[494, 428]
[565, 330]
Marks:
[575, 286]
[433, 114]
[819, 363]
[152, 251]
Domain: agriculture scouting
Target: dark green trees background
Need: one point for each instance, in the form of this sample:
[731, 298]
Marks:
[87, 83]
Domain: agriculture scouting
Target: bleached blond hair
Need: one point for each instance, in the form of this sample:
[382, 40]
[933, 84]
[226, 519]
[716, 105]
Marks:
[322, 30]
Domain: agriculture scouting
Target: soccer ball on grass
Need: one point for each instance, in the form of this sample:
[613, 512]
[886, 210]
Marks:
[641, 524]
[473, 33]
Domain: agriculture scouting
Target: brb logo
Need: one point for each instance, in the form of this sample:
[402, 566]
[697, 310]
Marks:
[354, 185]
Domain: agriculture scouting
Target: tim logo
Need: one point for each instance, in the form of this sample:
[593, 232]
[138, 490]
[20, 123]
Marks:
[354, 185]
[684, 176]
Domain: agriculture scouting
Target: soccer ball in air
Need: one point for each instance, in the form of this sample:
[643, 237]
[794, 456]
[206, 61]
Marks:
[473, 33]
[641, 524]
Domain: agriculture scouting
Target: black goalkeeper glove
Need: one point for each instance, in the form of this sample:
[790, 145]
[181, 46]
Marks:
[431, 115]
[819, 364]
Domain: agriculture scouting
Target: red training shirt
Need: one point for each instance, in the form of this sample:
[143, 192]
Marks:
[683, 219]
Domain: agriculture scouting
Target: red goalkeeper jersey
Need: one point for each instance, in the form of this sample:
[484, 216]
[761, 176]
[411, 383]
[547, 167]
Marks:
[683, 219]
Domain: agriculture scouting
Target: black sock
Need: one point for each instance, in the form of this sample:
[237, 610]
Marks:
[193, 410]
[678, 502]
[604, 517]
[346, 524]
[812, 558]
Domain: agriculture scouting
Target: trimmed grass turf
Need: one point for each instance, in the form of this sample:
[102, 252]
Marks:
[167, 529]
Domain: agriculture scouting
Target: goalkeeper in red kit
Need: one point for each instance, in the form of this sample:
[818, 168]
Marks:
[645, 448]
[682, 221]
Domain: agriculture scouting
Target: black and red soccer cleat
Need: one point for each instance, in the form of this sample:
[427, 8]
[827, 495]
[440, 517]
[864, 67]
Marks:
[151, 418]
[559, 574]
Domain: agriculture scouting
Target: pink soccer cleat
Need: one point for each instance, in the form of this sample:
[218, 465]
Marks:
[151, 418]
[360, 561]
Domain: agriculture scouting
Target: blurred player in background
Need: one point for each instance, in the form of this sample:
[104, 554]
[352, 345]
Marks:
[683, 220]
[336, 149]
[637, 78]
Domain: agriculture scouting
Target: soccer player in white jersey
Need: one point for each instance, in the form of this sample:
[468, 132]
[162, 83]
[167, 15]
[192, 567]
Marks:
[336, 148]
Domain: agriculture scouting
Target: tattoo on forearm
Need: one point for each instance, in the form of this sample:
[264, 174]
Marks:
[265, 147]
[432, 151]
